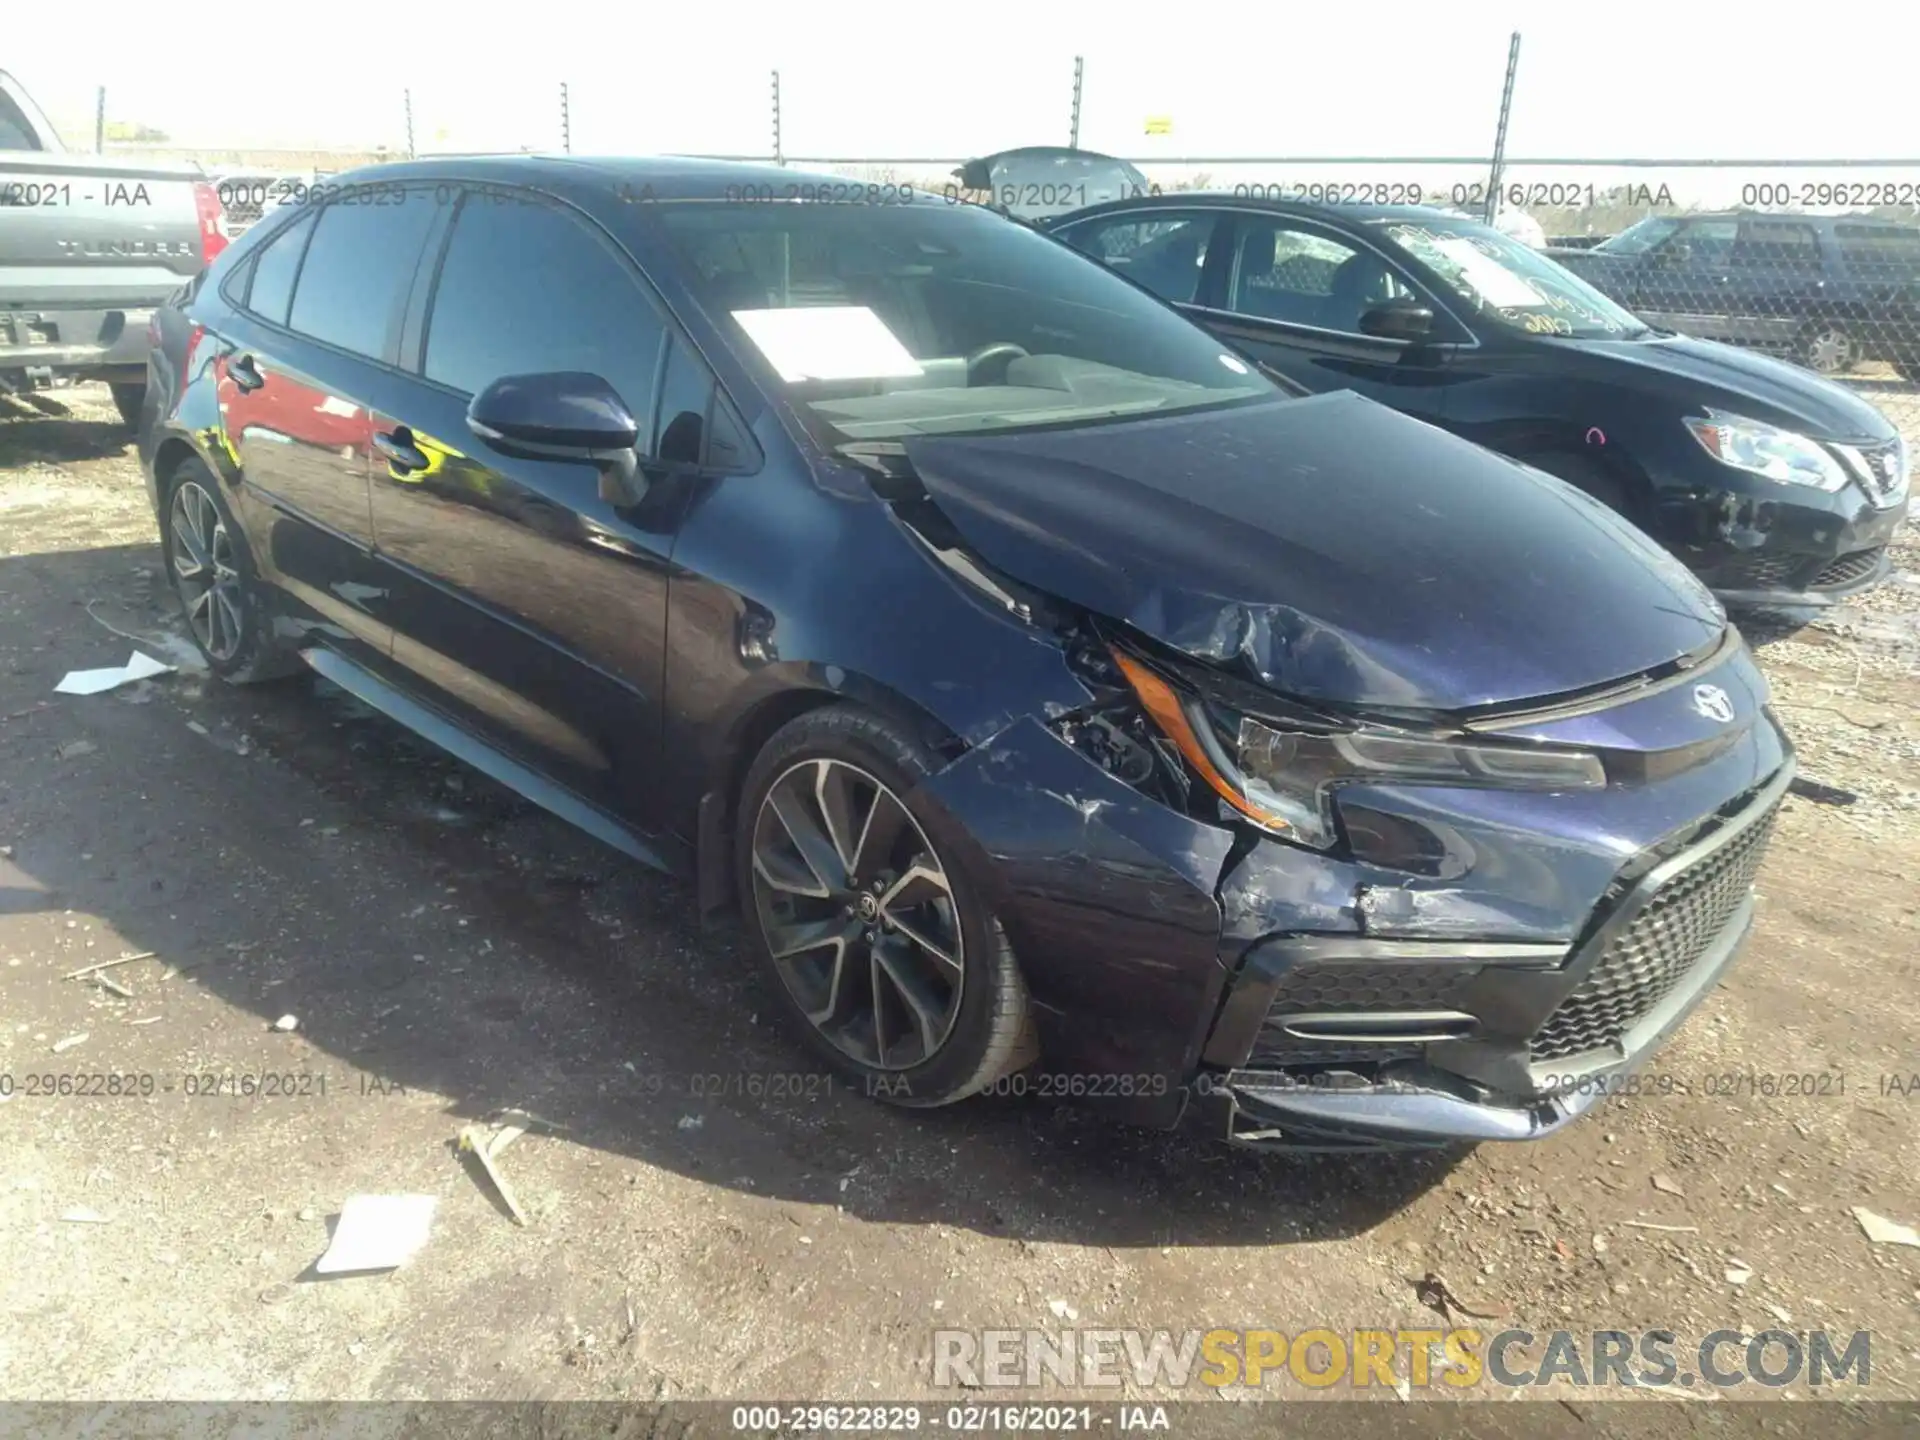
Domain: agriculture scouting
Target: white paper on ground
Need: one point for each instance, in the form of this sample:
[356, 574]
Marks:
[827, 342]
[378, 1232]
[92, 682]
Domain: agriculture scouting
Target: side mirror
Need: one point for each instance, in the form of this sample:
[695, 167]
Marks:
[565, 415]
[1678, 253]
[1402, 319]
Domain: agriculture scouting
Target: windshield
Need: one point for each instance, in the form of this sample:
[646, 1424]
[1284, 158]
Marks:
[887, 321]
[1506, 281]
[1639, 237]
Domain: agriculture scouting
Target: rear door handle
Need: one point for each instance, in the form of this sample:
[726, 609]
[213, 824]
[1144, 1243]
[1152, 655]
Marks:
[245, 373]
[400, 451]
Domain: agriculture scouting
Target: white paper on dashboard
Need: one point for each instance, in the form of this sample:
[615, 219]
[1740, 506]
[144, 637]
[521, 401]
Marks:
[827, 342]
[1496, 284]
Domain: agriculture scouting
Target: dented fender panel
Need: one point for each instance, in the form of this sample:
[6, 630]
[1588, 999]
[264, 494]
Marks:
[1107, 896]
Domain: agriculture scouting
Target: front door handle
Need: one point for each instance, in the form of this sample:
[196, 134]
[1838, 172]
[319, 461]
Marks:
[400, 451]
[245, 373]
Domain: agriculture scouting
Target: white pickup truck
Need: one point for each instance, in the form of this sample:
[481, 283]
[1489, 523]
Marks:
[89, 245]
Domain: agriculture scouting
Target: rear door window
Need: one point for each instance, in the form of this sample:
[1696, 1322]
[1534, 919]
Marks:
[274, 269]
[528, 288]
[359, 267]
[1165, 251]
[1881, 254]
[1777, 245]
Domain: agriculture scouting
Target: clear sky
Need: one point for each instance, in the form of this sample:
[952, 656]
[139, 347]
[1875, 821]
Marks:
[1623, 77]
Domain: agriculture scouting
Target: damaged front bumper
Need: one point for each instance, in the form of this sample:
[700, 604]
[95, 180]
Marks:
[1183, 971]
[1357, 1043]
[1772, 545]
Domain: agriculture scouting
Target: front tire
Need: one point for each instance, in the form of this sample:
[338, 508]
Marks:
[882, 946]
[213, 574]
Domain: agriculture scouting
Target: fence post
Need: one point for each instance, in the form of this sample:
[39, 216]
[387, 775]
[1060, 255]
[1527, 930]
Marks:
[100, 121]
[1079, 70]
[1500, 134]
[406, 97]
[777, 154]
[566, 121]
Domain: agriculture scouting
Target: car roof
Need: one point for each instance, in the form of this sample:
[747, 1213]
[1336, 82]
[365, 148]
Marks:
[1293, 209]
[669, 177]
[1890, 221]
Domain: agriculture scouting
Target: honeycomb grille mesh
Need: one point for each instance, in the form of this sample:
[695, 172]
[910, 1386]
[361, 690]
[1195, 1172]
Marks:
[1641, 966]
[1849, 568]
[1315, 989]
[1763, 572]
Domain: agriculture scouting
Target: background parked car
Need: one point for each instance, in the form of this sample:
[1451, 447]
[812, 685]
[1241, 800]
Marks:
[251, 195]
[1041, 180]
[89, 245]
[1776, 486]
[1826, 291]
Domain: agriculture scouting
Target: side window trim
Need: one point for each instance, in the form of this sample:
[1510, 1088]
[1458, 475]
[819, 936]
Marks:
[411, 357]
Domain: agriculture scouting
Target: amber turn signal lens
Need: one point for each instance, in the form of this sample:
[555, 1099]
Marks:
[1160, 702]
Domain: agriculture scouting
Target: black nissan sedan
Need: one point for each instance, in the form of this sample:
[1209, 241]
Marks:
[1775, 486]
[1050, 694]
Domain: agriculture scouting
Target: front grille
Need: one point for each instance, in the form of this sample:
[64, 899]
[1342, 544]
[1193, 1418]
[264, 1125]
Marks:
[1884, 464]
[1773, 571]
[1849, 568]
[1643, 963]
[1319, 989]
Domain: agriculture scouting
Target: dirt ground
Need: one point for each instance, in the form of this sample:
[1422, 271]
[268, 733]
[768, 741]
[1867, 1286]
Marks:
[448, 951]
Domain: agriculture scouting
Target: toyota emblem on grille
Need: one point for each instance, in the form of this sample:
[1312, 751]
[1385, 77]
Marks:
[1712, 702]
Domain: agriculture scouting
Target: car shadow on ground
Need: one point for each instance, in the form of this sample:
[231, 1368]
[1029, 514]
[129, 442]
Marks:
[435, 932]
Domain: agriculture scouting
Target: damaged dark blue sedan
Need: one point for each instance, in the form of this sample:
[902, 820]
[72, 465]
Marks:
[1063, 706]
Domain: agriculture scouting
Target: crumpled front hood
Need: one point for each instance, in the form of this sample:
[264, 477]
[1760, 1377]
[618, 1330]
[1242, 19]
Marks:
[1333, 548]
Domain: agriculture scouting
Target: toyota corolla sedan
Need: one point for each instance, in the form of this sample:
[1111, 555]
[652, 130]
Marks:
[1777, 487]
[1049, 693]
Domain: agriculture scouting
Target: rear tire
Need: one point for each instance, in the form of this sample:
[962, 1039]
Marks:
[880, 943]
[1826, 349]
[213, 574]
[128, 400]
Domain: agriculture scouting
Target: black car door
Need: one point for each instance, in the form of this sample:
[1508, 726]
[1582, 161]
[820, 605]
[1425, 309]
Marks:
[526, 604]
[319, 311]
[1291, 295]
[1776, 281]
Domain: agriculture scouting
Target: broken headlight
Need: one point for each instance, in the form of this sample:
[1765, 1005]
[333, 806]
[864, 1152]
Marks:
[1282, 778]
